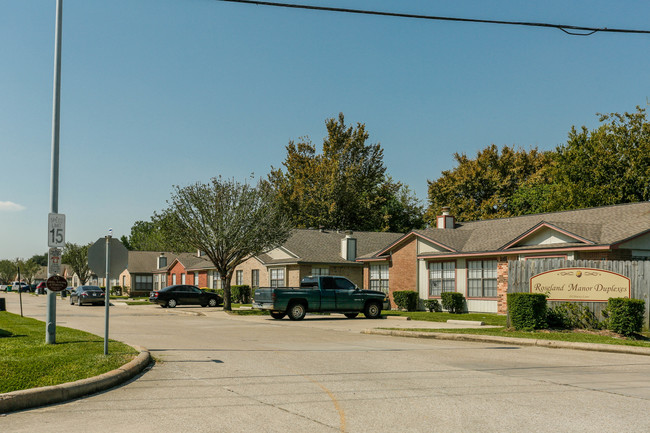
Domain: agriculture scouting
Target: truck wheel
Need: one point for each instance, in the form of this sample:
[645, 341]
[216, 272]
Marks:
[372, 310]
[351, 315]
[278, 315]
[297, 311]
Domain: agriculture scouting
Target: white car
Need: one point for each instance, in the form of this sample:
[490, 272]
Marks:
[16, 285]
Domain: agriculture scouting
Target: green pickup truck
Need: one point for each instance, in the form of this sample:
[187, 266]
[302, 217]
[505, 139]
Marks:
[323, 294]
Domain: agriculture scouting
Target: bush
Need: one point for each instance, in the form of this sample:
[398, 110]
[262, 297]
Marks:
[240, 294]
[406, 299]
[624, 316]
[453, 302]
[116, 290]
[570, 315]
[527, 311]
[433, 305]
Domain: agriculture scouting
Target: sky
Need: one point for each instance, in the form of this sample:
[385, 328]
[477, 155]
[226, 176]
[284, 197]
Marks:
[157, 93]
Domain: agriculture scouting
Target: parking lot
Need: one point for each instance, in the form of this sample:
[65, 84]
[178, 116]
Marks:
[217, 372]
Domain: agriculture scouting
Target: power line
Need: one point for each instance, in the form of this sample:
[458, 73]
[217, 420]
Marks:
[568, 29]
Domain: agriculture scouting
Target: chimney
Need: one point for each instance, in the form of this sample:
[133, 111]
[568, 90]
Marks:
[162, 261]
[349, 247]
[446, 221]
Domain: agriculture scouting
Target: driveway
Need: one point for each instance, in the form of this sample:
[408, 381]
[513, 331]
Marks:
[221, 373]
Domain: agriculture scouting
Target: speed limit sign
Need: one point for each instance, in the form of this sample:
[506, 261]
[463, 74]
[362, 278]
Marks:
[56, 230]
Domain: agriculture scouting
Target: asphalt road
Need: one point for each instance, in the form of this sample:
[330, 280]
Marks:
[220, 373]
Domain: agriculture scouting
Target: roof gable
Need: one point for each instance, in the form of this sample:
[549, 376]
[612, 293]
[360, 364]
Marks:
[546, 234]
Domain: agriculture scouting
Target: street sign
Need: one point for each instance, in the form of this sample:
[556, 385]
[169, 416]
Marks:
[119, 257]
[56, 283]
[56, 230]
[54, 261]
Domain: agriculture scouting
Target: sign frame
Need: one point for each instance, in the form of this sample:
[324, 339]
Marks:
[588, 284]
[56, 230]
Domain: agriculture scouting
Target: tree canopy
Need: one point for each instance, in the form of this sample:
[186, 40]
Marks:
[345, 186]
[76, 257]
[227, 220]
[606, 166]
[7, 271]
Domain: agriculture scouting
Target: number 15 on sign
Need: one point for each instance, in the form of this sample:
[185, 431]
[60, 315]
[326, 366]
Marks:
[56, 230]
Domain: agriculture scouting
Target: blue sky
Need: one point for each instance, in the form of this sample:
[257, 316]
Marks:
[158, 93]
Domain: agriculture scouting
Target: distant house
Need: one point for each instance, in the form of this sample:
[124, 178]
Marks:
[312, 252]
[146, 272]
[472, 257]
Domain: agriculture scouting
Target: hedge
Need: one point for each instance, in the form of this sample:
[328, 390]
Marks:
[625, 316]
[453, 302]
[527, 311]
[433, 305]
[240, 294]
[406, 299]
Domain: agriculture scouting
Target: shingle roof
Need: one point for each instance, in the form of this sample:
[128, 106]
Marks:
[316, 246]
[595, 226]
[145, 262]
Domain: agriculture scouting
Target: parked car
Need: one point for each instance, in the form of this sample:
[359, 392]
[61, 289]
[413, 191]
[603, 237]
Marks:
[4, 287]
[87, 295]
[182, 294]
[40, 288]
[20, 286]
[322, 294]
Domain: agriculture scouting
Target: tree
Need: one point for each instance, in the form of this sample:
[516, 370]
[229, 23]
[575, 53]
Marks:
[7, 271]
[481, 188]
[227, 220]
[343, 187]
[77, 257]
[149, 236]
[28, 269]
[41, 259]
[606, 166]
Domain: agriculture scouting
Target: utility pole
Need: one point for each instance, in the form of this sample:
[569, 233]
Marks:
[50, 330]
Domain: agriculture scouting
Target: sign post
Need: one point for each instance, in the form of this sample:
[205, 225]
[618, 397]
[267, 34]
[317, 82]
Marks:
[111, 257]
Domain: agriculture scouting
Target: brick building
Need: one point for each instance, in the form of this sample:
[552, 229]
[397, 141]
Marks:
[472, 257]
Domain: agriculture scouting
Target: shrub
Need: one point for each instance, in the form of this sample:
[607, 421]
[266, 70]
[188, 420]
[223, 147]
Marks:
[116, 290]
[453, 302]
[240, 294]
[624, 316]
[527, 311]
[570, 315]
[433, 305]
[406, 299]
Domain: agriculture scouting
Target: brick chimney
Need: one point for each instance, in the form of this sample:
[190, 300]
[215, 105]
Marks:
[446, 221]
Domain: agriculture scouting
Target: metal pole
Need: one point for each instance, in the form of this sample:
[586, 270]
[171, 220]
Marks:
[20, 293]
[50, 329]
[107, 290]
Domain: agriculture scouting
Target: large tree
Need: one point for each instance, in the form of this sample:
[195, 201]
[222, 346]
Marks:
[227, 220]
[77, 257]
[147, 236]
[345, 186]
[7, 271]
[28, 268]
[481, 188]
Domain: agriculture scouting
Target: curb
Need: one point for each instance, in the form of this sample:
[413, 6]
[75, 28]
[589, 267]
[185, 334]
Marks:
[29, 398]
[631, 350]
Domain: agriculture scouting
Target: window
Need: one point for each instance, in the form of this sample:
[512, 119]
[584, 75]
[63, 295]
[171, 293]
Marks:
[196, 278]
[143, 283]
[277, 277]
[344, 284]
[214, 280]
[182, 278]
[482, 279]
[173, 279]
[239, 278]
[320, 271]
[255, 278]
[379, 277]
[442, 277]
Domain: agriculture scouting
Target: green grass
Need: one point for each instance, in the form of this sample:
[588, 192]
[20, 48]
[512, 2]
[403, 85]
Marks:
[28, 362]
[572, 336]
[138, 303]
[248, 312]
[487, 318]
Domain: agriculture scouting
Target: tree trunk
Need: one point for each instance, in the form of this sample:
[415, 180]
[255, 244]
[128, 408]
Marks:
[225, 284]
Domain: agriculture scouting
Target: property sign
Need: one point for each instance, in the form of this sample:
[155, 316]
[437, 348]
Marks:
[56, 283]
[56, 230]
[54, 261]
[581, 285]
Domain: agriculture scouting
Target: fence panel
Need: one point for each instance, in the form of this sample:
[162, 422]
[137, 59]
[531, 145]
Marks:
[520, 273]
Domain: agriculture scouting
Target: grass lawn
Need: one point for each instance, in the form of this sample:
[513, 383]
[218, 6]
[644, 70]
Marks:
[28, 362]
[487, 318]
[572, 336]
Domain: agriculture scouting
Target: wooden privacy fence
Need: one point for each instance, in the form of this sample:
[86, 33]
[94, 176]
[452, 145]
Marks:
[520, 273]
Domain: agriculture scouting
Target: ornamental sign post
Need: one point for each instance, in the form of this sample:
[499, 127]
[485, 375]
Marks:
[581, 285]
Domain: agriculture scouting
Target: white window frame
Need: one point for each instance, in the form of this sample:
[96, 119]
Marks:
[277, 277]
[379, 277]
[442, 278]
[320, 270]
[482, 278]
